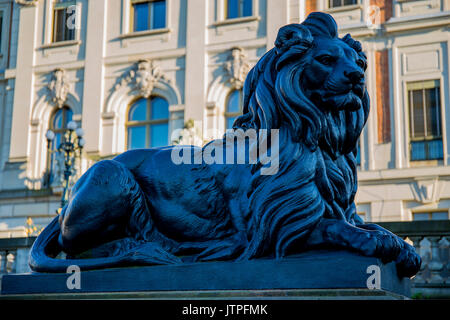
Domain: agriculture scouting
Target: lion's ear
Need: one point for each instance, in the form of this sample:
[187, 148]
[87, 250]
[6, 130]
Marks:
[291, 35]
[321, 24]
[292, 41]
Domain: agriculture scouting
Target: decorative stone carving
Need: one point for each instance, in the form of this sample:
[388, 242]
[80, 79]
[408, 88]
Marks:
[27, 3]
[143, 78]
[237, 67]
[426, 189]
[59, 87]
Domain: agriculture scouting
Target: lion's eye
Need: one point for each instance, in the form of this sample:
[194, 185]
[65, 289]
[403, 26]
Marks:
[325, 59]
[361, 63]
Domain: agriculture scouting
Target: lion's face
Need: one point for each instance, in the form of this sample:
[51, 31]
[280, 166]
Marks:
[333, 75]
[311, 83]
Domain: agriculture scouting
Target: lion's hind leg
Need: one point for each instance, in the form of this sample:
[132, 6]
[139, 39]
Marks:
[107, 216]
[374, 242]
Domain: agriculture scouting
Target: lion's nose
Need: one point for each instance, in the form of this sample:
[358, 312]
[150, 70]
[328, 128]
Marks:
[354, 76]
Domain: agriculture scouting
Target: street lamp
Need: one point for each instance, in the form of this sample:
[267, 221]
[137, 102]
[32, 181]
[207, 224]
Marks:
[71, 147]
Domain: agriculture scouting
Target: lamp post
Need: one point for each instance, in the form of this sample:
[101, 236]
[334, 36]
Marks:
[71, 147]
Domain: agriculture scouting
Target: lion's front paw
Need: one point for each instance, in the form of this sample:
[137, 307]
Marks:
[408, 261]
[382, 245]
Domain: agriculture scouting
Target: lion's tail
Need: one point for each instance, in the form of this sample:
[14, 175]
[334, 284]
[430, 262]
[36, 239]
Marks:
[46, 248]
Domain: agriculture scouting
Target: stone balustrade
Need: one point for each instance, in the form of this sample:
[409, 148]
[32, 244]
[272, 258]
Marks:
[14, 255]
[431, 240]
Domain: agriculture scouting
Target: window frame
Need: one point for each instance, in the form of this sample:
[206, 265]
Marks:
[430, 214]
[150, 29]
[426, 138]
[2, 20]
[5, 10]
[148, 122]
[227, 114]
[56, 6]
[51, 152]
[51, 125]
[240, 7]
[328, 4]
[220, 19]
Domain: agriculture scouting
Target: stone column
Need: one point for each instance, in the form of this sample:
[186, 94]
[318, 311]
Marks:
[435, 264]
[195, 86]
[93, 91]
[416, 243]
[277, 16]
[23, 88]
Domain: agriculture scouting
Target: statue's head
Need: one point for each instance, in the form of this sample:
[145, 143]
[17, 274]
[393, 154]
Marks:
[313, 83]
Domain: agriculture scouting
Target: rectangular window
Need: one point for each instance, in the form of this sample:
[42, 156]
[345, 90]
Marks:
[425, 216]
[238, 8]
[425, 120]
[63, 26]
[341, 3]
[1, 28]
[148, 15]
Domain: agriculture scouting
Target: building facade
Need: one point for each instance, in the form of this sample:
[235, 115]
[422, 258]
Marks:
[133, 73]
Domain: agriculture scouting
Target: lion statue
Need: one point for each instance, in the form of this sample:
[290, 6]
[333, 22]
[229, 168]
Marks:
[141, 208]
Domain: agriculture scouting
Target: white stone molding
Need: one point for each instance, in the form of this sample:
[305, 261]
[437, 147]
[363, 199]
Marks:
[27, 3]
[237, 67]
[59, 87]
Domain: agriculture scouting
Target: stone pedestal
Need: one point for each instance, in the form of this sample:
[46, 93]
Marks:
[312, 275]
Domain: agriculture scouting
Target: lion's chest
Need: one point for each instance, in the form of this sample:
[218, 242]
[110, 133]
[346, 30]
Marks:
[341, 177]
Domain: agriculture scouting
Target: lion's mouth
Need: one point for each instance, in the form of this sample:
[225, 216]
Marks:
[350, 99]
[358, 90]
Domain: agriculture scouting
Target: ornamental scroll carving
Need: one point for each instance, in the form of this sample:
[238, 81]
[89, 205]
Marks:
[143, 77]
[59, 87]
[237, 67]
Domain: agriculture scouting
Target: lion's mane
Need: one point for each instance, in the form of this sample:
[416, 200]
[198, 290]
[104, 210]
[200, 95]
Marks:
[285, 207]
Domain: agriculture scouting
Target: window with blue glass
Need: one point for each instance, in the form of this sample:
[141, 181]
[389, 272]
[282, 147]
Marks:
[341, 3]
[63, 12]
[148, 123]
[233, 107]
[432, 215]
[148, 15]
[58, 124]
[425, 120]
[1, 28]
[238, 8]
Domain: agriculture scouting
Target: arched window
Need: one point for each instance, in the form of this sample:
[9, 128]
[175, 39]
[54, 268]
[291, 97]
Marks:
[233, 107]
[148, 123]
[58, 124]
